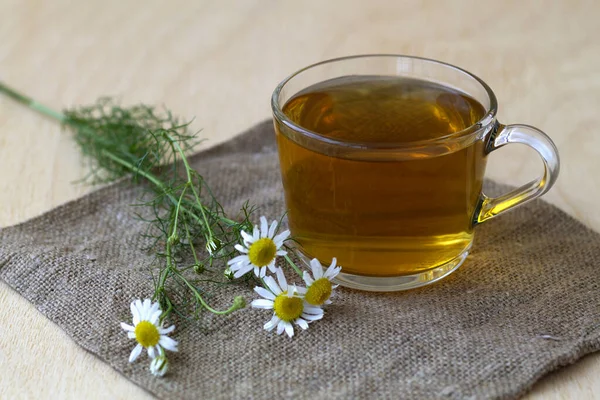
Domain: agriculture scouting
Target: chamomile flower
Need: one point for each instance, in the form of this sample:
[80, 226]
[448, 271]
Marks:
[318, 286]
[260, 250]
[287, 304]
[147, 332]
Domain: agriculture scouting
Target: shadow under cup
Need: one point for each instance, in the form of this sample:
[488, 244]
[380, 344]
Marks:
[396, 214]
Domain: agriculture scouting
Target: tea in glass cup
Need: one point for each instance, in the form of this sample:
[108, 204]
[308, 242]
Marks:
[382, 161]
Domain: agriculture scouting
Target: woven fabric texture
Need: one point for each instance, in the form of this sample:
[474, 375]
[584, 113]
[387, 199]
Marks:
[525, 302]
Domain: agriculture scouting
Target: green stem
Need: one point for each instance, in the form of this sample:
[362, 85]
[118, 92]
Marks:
[188, 171]
[152, 179]
[293, 265]
[138, 171]
[176, 219]
[178, 203]
[62, 118]
[29, 102]
[189, 239]
[233, 307]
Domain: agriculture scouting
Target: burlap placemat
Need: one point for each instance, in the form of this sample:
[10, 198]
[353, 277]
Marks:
[525, 302]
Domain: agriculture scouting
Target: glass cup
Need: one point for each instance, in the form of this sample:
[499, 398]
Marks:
[396, 215]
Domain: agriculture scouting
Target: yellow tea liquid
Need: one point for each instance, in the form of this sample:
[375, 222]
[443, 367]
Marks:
[385, 216]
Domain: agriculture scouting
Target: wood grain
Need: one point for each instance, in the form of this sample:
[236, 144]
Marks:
[219, 62]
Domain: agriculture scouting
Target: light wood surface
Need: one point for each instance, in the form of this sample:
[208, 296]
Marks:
[219, 61]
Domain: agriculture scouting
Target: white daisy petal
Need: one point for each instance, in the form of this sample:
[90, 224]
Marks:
[264, 293]
[271, 266]
[311, 317]
[280, 238]
[151, 352]
[262, 303]
[138, 304]
[256, 233]
[281, 253]
[238, 259]
[272, 229]
[135, 353]
[239, 265]
[147, 304]
[331, 269]
[280, 327]
[300, 290]
[154, 308]
[144, 316]
[269, 326]
[272, 285]
[331, 274]
[242, 271]
[154, 317]
[291, 291]
[281, 279]
[312, 309]
[263, 272]
[131, 335]
[307, 278]
[257, 271]
[264, 227]
[128, 328]
[168, 343]
[317, 268]
[302, 323]
[164, 331]
[247, 238]
[135, 313]
[289, 329]
[240, 248]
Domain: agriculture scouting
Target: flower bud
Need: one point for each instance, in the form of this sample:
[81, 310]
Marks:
[159, 365]
[239, 302]
[198, 268]
[173, 239]
[228, 274]
[213, 245]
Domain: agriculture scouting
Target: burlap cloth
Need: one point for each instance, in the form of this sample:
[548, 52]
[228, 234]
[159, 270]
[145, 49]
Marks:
[524, 303]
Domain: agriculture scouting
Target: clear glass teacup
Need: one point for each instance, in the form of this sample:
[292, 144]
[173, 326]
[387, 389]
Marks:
[382, 160]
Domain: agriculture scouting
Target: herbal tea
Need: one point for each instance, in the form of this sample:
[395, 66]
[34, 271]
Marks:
[383, 217]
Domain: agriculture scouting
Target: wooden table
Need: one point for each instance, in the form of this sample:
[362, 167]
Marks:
[219, 62]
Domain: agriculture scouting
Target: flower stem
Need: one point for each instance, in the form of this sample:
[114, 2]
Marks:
[62, 118]
[190, 242]
[152, 179]
[180, 204]
[235, 306]
[293, 265]
[190, 183]
[29, 102]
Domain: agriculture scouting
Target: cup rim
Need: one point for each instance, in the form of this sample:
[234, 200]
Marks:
[483, 122]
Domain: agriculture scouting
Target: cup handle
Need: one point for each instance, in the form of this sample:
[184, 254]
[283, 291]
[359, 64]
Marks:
[489, 207]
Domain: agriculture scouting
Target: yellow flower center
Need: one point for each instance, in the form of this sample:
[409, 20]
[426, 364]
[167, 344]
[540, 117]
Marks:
[319, 292]
[262, 252]
[288, 308]
[146, 334]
